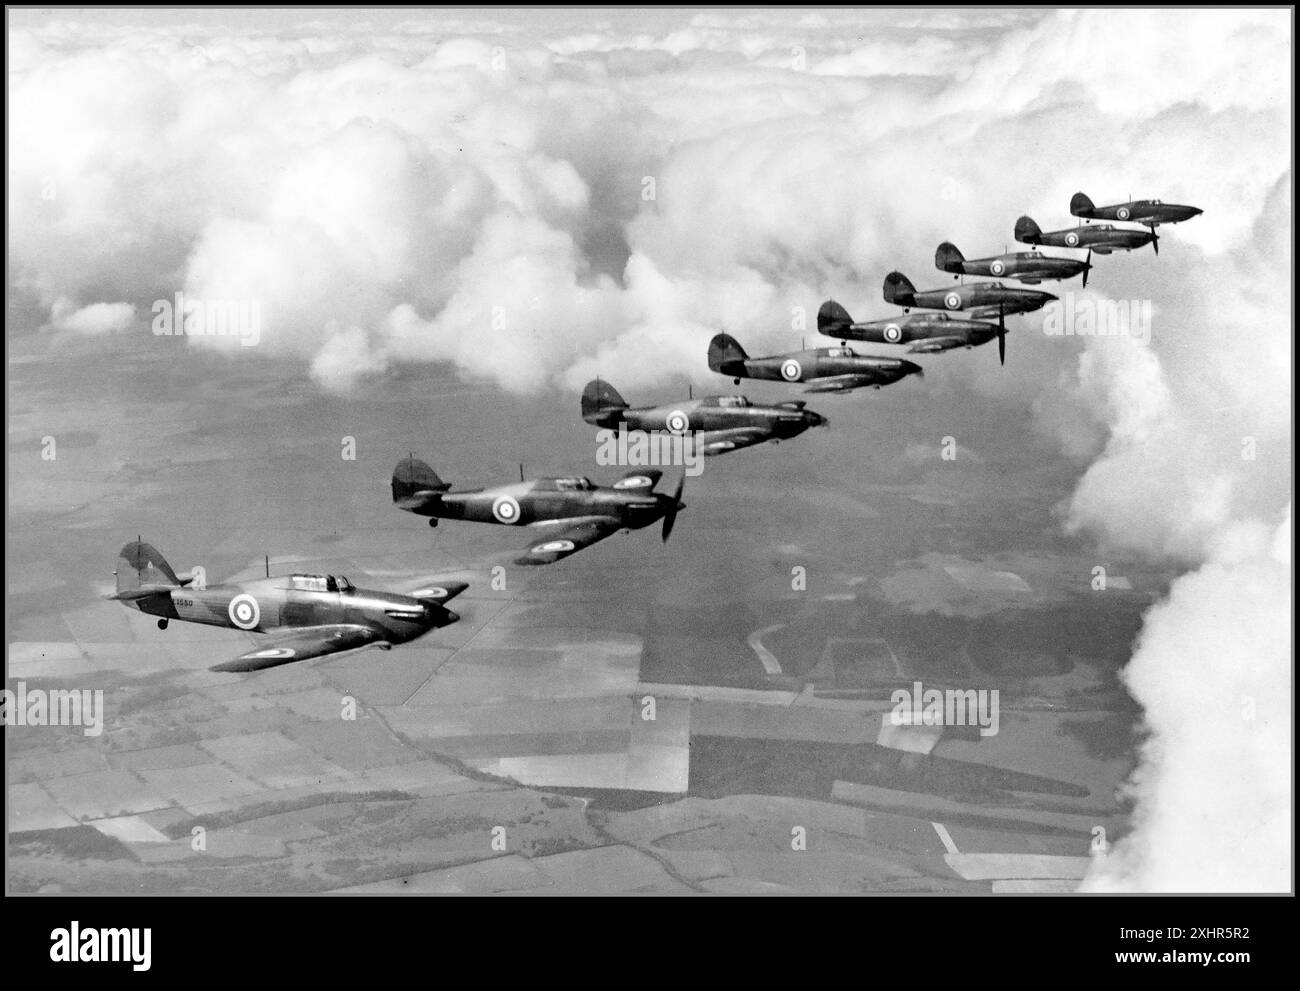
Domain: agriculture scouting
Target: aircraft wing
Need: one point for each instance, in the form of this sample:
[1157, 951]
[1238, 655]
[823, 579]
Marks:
[301, 644]
[435, 590]
[721, 441]
[842, 383]
[575, 534]
[937, 344]
[991, 312]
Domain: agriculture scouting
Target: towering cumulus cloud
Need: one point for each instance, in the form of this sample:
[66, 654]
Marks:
[534, 200]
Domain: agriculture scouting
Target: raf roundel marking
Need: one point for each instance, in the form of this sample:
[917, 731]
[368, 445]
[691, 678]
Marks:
[997, 268]
[554, 547]
[893, 333]
[244, 611]
[678, 422]
[506, 509]
[791, 370]
[633, 482]
[1072, 239]
[1122, 213]
[952, 301]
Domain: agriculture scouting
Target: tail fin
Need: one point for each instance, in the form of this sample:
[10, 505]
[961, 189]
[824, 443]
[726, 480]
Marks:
[947, 258]
[833, 319]
[414, 482]
[899, 289]
[726, 355]
[141, 569]
[1081, 206]
[601, 403]
[1028, 232]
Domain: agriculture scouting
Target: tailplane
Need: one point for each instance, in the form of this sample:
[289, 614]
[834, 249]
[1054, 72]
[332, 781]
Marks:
[832, 319]
[415, 483]
[601, 404]
[948, 259]
[899, 289]
[726, 355]
[1028, 232]
[142, 571]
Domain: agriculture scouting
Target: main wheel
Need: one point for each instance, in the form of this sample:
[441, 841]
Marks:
[433, 521]
[162, 624]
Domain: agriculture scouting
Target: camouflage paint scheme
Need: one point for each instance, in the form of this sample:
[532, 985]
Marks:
[717, 424]
[579, 511]
[307, 615]
[827, 369]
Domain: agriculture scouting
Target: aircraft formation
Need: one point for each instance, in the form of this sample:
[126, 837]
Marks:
[308, 616]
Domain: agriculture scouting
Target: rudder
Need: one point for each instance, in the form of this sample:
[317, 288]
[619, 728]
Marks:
[145, 569]
[1028, 232]
[599, 399]
[1081, 206]
[412, 476]
[833, 319]
[899, 289]
[726, 355]
[947, 258]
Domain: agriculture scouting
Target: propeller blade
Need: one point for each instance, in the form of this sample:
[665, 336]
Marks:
[1155, 240]
[1087, 267]
[670, 517]
[1002, 335]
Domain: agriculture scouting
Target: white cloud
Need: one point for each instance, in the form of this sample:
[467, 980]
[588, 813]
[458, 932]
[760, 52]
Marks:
[97, 318]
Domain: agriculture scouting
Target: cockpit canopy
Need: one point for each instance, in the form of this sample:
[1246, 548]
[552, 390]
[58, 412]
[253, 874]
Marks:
[574, 484]
[320, 583]
[732, 402]
[839, 352]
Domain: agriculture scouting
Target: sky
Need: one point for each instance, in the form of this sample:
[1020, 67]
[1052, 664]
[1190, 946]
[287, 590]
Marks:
[526, 200]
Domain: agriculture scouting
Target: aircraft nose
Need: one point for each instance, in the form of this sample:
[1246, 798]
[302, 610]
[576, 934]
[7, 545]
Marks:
[815, 419]
[911, 368]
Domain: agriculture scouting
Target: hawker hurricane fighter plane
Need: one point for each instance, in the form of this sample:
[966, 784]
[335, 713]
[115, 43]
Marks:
[1149, 213]
[1024, 266]
[979, 300]
[1101, 238]
[922, 332]
[826, 369]
[717, 424]
[306, 615]
[571, 513]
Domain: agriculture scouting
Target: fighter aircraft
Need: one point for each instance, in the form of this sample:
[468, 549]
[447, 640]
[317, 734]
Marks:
[924, 332]
[828, 369]
[306, 615]
[1149, 213]
[1024, 266]
[979, 299]
[573, 513]
[718, 424]
[1101, 238]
